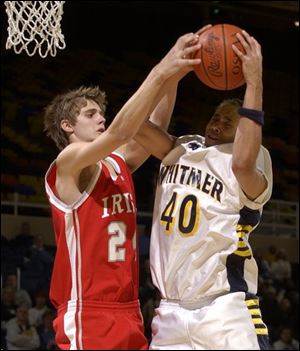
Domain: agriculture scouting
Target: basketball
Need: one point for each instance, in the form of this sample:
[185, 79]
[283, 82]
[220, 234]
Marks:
[220, 67]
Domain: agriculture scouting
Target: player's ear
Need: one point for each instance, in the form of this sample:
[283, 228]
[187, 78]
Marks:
[66, 125]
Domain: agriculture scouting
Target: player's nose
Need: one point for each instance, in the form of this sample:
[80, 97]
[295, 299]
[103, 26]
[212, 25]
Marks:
[101, 119]
[216, 129]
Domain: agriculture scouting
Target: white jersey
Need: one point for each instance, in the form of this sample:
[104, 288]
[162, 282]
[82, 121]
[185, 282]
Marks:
[201, 223]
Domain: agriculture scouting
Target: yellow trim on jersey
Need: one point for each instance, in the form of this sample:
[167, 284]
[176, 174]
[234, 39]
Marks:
[241, 231]
[243, 253]
[252, 302]
[255, 312]
[245, 228]
[257, 321]
[261, 331]
[242, 244]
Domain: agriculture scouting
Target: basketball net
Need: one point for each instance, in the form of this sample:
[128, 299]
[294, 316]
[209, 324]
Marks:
[35, 26]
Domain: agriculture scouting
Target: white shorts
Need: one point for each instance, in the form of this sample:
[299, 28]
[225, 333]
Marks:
[228, 322]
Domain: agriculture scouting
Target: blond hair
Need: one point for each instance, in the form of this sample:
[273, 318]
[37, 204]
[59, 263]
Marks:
[67, 106]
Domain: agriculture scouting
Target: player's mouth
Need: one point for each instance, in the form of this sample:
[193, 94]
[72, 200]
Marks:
[212, 137]
[101, 130]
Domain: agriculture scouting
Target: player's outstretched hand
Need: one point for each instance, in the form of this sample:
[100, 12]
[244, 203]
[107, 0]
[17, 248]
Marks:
[180, 57]
[251, 60]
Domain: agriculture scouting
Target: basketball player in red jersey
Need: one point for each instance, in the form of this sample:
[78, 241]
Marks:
[94, 282]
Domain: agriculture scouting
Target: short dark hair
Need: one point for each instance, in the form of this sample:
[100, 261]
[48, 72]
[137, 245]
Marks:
[235, 102]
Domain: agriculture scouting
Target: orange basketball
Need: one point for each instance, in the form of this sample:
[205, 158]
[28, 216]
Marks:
[220, 67]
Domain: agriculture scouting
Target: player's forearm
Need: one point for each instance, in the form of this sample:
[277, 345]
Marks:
[249, 133]
[253, 95]
[164, 103]
[155, 140]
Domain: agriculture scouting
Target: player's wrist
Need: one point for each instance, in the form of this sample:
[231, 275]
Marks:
[159, 74]
[255, 84]
[255, 115]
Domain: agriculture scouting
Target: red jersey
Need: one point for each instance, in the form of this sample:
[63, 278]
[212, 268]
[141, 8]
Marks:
[96, 257]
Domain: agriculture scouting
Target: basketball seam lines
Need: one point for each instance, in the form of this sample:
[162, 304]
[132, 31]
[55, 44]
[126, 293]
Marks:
[225, 57]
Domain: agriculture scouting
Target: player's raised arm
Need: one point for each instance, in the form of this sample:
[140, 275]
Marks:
[248, 136]
[133, 113]
[152, 140]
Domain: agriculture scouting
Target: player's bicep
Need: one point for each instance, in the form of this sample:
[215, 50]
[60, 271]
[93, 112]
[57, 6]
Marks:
[256, 183]
[78, 156]
[252, 183]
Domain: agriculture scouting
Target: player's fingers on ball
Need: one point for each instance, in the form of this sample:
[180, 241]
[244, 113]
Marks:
[181, 40]
[237, 51]
[193, 62]
[256, 43]
[246, 35]
[255, 46]
[190, 39]
[203, 29]
[243, 41]
[191, 49]
[194, 40]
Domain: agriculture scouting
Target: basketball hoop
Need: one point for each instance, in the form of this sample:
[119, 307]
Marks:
[35, 26]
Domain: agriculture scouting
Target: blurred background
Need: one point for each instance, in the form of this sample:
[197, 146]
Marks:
[114, 44]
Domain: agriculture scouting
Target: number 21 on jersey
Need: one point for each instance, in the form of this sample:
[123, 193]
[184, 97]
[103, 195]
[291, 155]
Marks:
[116, 251]
[187, 221]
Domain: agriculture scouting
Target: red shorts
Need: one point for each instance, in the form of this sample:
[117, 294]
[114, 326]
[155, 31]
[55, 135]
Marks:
[100, 326]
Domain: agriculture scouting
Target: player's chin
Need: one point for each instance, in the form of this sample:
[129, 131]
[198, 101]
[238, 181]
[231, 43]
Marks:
[212, 142]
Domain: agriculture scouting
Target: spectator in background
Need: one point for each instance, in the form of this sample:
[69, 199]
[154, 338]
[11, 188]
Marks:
[286, 341]
[270, 310]
[40, 307]
[271, 254]
[36, 271]
[19, 334]
[24, 238]
[21, 296]
[39, 252]
[262, 264]
[8, 311]
[8, 306]
[46, 331]
[288, 315]
[289, 291]
[280, 269]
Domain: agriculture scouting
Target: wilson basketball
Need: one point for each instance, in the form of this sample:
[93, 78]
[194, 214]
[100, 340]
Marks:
[220, 67]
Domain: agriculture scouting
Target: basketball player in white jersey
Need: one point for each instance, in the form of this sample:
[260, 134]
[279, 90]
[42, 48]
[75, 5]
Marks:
[209, 197]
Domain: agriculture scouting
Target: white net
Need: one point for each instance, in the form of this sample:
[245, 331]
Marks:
[35, 26]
